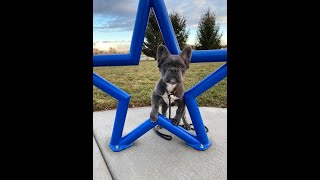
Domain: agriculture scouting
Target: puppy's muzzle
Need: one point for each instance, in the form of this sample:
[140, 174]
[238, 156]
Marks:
[174, 70]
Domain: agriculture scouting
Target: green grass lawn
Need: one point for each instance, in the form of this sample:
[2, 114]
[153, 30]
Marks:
[139, 81]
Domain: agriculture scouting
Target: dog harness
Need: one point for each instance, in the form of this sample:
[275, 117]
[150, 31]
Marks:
[165, 136]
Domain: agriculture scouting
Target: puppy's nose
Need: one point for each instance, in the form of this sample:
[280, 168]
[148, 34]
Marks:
[173, 70]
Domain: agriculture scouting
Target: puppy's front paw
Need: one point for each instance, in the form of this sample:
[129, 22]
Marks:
[187, 126]
[153, 117]
[175, 121]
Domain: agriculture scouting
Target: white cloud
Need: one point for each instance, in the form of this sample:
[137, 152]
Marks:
[119, 15]
[115, 15]
[120, 46]
[222, 19]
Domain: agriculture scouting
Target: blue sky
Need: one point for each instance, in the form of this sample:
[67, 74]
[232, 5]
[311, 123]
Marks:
[113, 20]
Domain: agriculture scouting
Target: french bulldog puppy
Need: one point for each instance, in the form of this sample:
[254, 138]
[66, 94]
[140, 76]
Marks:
[172, 69]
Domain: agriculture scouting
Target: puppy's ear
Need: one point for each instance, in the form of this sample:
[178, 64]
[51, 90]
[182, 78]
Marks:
[186, 55]
[162, 53]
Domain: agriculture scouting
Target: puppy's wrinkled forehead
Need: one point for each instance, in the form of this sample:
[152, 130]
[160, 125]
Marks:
[174, 60]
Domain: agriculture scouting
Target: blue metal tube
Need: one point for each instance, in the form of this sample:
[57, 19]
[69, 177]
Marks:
[139, 29]
[166, 26]
[109, 88]
[138, 132]
[219, 55]
[196, 120]
[122, 108]
[133, 57]
[119, 121]
[112, 60]
[177, 130]
[195, 91]
[208, 82]
[199, 142]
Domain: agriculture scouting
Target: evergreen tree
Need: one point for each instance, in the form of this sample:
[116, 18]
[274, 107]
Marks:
[180, 28]
[208, 36]
[153, 36]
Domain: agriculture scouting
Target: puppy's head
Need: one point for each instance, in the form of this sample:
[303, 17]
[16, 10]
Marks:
[173, 67]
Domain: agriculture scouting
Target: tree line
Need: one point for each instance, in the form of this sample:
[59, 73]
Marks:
[208, 36]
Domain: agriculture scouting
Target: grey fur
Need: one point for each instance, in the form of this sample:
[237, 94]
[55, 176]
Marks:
[172, 70]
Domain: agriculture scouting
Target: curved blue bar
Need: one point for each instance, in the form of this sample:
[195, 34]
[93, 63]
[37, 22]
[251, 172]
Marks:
[199, 142]
[208, 82]
[196, 119]
[109, 88]
[119, 121]
[191, 103]
[137, 132]
[166, 27]
[123, 98]
[113, 60]
[219, 55]
[139, 29]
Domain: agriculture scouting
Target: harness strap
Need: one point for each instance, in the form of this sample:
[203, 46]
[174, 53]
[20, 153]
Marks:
[165, 136]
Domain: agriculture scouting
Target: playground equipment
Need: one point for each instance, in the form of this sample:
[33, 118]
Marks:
[200, 141]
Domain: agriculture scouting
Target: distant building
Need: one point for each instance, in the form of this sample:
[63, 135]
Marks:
[143, 57]
[194, 47]
[95, 51]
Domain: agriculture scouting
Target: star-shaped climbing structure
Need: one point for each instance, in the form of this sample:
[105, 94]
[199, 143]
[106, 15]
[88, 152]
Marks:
[200, 141]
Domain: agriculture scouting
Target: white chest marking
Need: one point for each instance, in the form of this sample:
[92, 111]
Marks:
[165, 98]
[170, 87]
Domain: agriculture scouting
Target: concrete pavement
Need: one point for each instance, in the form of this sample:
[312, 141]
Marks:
[152, 157]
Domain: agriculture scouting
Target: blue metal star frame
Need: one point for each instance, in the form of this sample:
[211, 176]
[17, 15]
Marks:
[119, 143]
